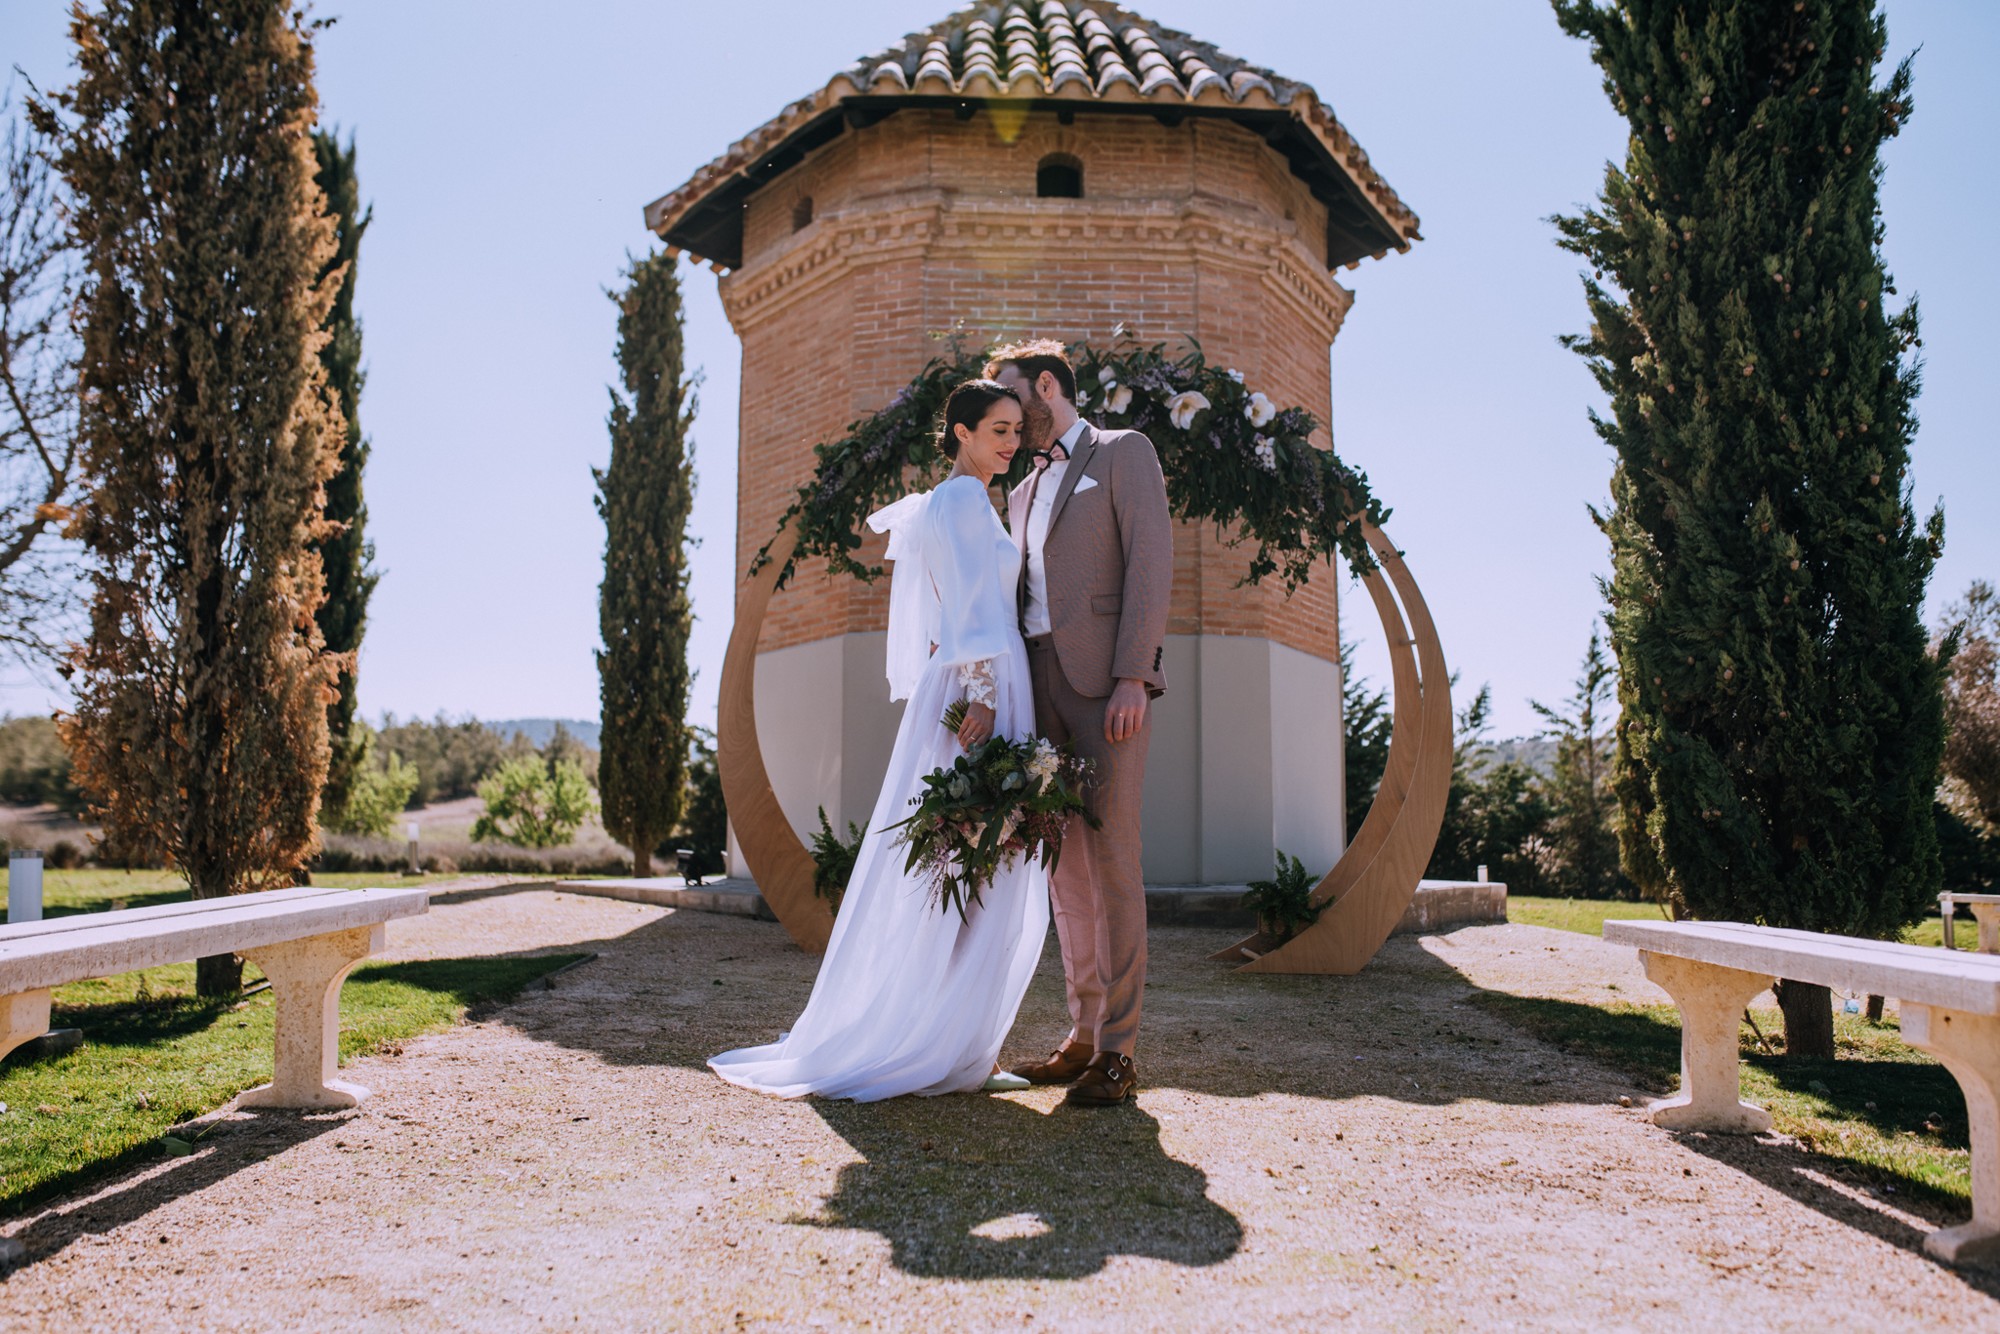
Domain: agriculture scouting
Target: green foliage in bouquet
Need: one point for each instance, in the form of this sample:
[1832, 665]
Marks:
[833, 860]
[1284, 904]
[1231, 457]
[1002, 799]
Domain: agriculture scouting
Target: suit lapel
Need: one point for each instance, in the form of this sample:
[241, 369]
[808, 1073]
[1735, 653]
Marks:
[1086, 445]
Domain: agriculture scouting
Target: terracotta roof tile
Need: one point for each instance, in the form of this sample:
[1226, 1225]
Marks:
[1052, 52]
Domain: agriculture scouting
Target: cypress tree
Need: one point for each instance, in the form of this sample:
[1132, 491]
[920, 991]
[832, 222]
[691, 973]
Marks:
[643, 496]
[199, 733]
[1782, 725]
[346, 554]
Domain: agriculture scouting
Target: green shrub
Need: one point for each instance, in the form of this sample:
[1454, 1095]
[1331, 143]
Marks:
[34, 766]
[833, 860]
[533, 804]
[1284, 904]
[376, 793]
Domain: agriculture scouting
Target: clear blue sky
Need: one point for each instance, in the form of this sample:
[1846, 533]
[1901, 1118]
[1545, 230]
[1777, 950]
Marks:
[508, 147]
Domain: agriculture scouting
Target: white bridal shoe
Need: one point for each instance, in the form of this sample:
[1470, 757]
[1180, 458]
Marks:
[1002, 1082]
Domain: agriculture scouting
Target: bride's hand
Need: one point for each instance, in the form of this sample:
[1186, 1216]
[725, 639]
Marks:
[978, 725]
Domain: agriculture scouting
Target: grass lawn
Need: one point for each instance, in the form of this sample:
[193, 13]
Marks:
[1882, 1114]
[154, 1056]
[95, 890]
[1589, 916]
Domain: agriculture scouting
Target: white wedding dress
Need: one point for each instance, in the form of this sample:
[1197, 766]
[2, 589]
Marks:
[910, 999]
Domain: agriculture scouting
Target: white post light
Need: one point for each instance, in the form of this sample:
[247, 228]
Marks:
[414, 831]
[24, 886]
[1482, 873]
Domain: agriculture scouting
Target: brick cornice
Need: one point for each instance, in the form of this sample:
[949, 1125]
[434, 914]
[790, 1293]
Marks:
[933, 226]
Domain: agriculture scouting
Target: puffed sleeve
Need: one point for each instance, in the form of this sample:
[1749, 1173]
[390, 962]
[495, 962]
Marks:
[913, 604]
[975, 613]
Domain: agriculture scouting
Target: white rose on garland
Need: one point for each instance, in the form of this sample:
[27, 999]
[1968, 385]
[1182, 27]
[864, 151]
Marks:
[1235, 375]
[1119, 399]
[1260, 410]
[1183, 407]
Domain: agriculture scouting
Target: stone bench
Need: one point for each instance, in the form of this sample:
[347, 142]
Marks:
[1985, 911]
[305, 940]
[1950, 1008]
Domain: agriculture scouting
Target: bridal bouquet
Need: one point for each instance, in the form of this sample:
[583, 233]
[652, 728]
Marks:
[1002, 799]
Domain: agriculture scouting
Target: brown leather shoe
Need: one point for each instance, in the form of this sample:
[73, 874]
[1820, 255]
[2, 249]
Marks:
[1063, 1066]
[1109, 1078]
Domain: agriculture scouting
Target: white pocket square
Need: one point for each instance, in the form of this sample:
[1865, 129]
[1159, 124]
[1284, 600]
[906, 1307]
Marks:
[1085, 484]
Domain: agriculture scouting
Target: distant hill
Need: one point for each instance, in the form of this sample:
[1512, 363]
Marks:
[1536, 752]
[539, 730]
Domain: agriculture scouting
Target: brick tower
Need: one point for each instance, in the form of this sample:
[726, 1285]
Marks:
[1057, 170]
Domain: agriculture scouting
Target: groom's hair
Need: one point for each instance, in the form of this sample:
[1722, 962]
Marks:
[1032, 358]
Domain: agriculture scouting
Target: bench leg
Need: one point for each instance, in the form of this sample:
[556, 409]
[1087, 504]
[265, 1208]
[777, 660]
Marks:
[1987, 915]
[1968, 1045]
[1711, 1000]
[23, 1018]
[305, 980]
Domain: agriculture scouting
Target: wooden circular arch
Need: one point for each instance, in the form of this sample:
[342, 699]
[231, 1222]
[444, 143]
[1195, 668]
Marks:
[1363, 896]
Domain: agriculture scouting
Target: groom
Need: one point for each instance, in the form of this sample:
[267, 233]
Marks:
[1097, 567]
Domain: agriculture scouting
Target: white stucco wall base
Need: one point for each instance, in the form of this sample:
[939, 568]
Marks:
[1245, 758]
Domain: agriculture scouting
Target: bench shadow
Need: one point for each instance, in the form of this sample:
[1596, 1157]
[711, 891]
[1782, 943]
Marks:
[1889, 1096]
[1806, 1177]
[112, 1200]
[103, 1194]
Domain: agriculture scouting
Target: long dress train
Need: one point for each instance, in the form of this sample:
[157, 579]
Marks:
[909, 998]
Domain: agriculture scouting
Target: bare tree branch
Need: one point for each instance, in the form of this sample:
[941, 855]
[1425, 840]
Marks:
[38, 388]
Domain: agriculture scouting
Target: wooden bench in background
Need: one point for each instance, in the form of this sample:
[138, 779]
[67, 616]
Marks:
[305, 940]
[1950, 1008]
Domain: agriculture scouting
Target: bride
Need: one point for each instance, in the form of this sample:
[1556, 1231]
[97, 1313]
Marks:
[910, 998]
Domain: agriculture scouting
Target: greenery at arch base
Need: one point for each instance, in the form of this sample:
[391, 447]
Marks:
[1231, 457]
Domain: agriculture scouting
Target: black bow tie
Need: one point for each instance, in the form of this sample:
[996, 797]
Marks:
[1055, 453]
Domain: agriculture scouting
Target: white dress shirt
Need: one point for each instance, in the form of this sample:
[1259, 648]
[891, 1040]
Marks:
[1036, 618]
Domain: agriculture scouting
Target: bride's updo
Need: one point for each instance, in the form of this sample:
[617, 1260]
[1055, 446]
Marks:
[967, 407]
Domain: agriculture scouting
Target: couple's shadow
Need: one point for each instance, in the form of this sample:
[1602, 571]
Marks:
[984, 1187]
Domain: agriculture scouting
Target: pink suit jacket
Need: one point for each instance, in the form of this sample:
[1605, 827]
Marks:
[1110, 562]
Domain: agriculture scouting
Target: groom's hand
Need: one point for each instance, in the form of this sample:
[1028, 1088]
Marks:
[1126, 711]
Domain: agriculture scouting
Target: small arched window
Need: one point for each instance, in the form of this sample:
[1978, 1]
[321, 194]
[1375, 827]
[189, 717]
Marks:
[1059, 176]
[802, 213]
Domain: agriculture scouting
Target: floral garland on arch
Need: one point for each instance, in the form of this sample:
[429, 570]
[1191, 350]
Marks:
[1231, 457]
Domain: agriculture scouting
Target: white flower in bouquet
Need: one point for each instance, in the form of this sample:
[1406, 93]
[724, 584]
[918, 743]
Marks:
[1042, 765]
[1260, 410]
[1119, 398]
[1183, 407]
[1267, 453]
[1235, 375]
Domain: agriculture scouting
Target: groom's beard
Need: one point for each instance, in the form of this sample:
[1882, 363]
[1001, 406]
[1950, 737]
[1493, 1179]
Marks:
[1038, 423]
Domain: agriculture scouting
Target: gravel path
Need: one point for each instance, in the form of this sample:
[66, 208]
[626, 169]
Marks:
[1374, 1148]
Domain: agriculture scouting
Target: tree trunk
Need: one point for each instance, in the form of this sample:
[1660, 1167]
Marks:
[1808, 1019]
[642, 854]
[218, 975]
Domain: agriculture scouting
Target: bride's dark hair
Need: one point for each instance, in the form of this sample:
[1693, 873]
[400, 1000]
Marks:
[967, 407]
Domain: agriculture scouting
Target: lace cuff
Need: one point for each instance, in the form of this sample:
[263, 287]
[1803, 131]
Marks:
[977, 680]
